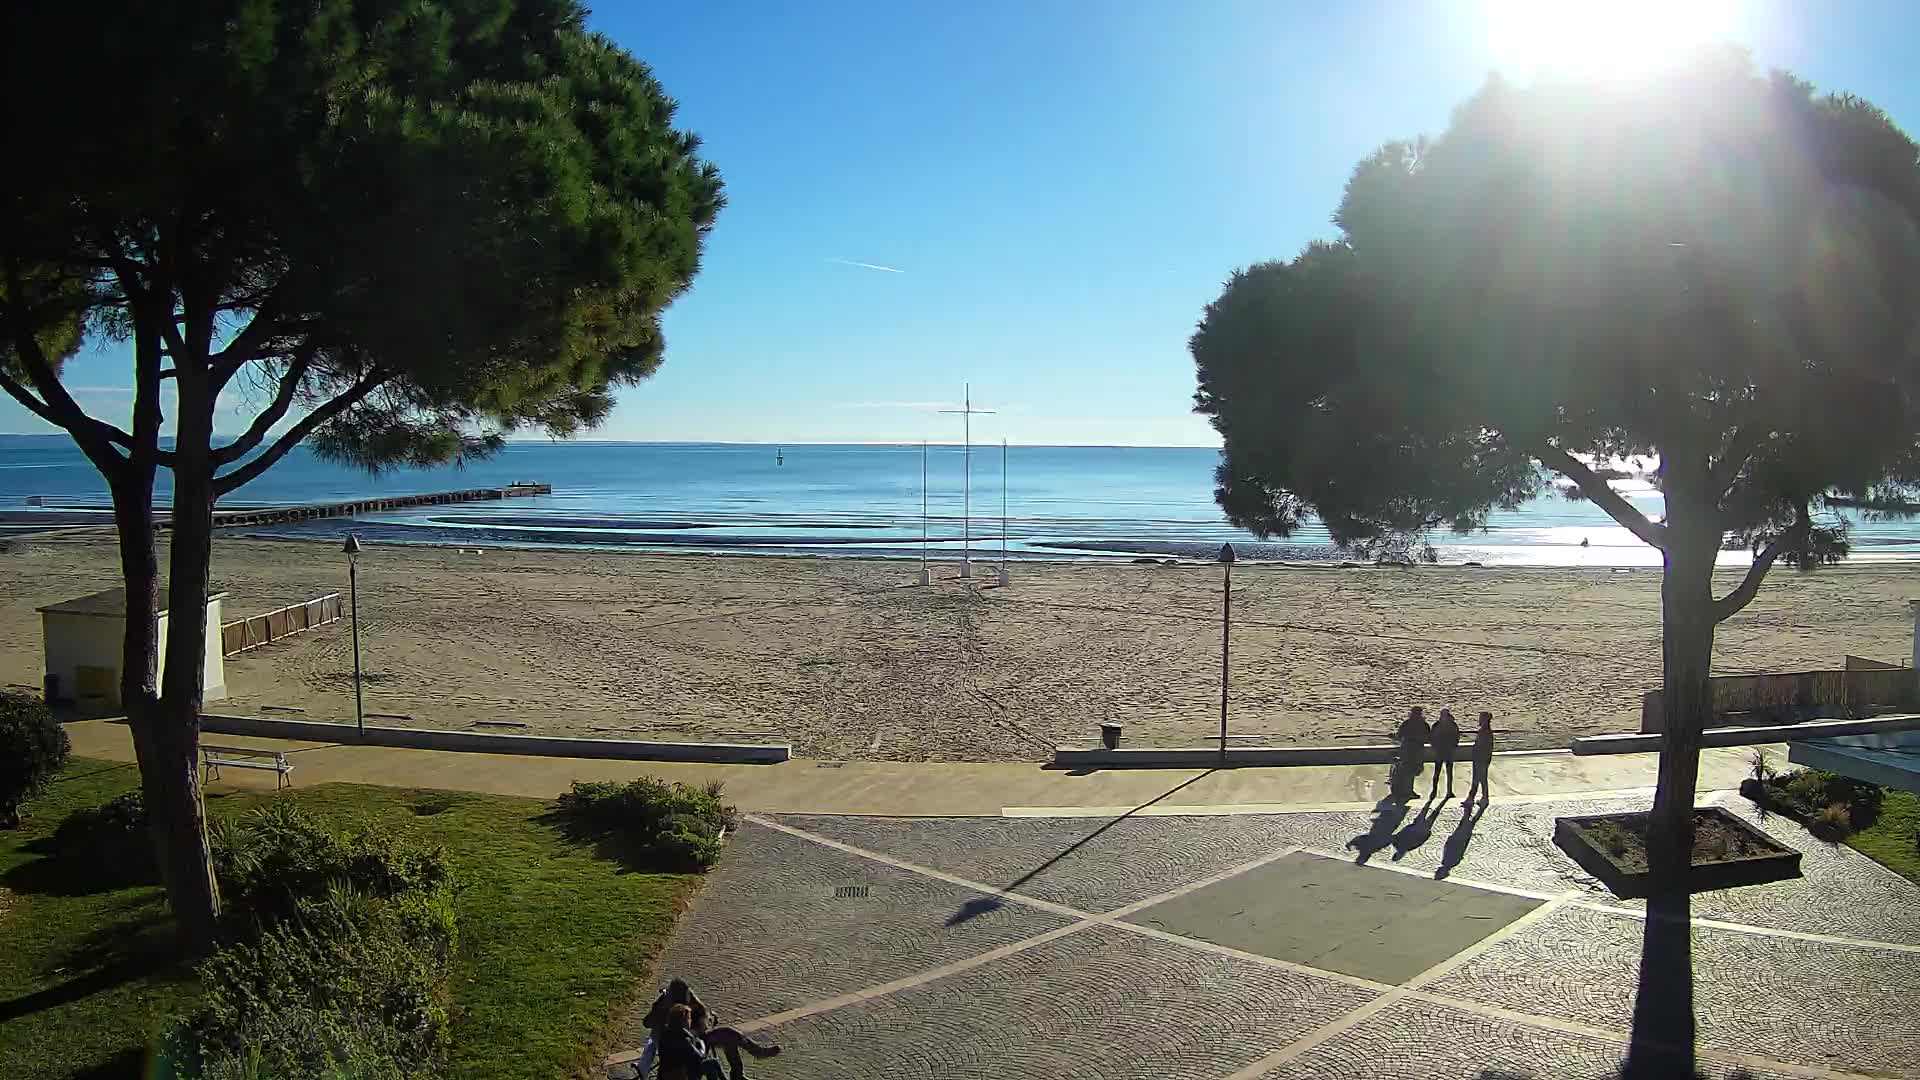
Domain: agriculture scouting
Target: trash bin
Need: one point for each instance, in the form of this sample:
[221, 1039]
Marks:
[1110, 735]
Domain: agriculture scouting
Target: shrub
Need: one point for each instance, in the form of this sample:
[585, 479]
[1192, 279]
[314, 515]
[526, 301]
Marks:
[109, 843]
[275, 859]
[339, 951]
[657, 825]
[1833, 822]
[306, 1001]
[33, 747]
[1808, 793]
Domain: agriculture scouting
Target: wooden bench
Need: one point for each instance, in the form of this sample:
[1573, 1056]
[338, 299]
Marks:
[213, 758]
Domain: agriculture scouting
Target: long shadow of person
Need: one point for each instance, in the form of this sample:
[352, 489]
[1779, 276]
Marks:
[1462, 835]
[1388, 813]
[1419, 830]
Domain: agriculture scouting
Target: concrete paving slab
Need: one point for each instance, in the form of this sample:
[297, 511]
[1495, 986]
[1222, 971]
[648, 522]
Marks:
[1334, 915]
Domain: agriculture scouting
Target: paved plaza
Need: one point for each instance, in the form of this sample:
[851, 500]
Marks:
[1244, 946]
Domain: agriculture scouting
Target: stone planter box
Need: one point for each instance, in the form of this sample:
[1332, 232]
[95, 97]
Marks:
[1726, 851]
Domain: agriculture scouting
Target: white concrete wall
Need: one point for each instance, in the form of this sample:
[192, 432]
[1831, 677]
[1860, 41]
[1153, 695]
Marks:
[75, 641]
[72, 642]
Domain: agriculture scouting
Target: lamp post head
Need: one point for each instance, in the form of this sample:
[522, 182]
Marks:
[352, 546]
[1226, 553]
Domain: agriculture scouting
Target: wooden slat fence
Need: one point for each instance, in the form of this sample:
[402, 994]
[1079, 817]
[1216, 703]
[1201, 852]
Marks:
[1795, 695]
[243, 634]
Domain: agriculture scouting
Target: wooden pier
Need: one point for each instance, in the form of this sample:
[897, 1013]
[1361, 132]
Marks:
[279, 514]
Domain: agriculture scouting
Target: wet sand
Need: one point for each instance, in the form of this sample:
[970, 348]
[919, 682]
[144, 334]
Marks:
[851, 659]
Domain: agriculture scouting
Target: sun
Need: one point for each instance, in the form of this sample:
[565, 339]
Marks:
[1618, 38]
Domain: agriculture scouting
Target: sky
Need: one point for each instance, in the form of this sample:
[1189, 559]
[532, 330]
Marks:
[1038, 198]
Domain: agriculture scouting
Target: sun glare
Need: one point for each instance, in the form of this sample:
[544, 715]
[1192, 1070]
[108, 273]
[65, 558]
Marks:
[1602, 37]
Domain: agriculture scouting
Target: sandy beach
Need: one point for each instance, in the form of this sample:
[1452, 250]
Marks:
[851, 659]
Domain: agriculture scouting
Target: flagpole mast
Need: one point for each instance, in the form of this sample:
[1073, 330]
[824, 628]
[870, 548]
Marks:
[926, 574]
[966, 512]
[1003, 509]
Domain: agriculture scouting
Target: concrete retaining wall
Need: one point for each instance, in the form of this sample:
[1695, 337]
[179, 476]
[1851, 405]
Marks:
[472, 742]
[1750, 736]
[1205, 757]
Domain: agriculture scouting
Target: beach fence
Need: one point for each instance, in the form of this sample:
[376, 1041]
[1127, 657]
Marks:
[239, 636]
[1797, 695]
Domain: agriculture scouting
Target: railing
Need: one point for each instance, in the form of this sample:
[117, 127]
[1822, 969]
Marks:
[239, 636]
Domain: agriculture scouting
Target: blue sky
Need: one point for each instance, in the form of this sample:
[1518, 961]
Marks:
[1057, 188]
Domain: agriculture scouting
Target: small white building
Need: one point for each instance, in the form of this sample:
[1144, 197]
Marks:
[84, 640]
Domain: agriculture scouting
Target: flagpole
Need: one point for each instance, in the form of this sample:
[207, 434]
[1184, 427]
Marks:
[1003, 509]
[926, 574]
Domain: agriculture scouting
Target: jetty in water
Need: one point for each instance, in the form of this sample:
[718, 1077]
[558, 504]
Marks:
[274, 515]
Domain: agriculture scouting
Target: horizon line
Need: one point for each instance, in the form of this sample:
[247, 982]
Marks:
[536, 440]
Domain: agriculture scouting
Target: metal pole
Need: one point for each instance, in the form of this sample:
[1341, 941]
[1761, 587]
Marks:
[1226, 621]
[353, 589]
[923, 508]
[966, 488]
[1003, 508]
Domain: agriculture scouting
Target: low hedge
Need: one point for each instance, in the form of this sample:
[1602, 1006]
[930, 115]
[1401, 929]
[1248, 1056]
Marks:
[109, 844]
[671, 827]
[33, 747]
[337, 957]
[1831, 806]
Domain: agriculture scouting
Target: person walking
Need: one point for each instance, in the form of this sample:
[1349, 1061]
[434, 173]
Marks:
[1482, 758]
[1413, 736]
[1446, 743]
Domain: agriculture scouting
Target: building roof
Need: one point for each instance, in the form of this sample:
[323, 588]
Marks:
[108, 603]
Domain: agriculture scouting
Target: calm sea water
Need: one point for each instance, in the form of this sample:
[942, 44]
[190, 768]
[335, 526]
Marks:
[1059, 502]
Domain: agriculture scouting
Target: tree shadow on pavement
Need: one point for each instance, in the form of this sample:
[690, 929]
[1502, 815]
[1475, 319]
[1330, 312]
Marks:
[981, 905]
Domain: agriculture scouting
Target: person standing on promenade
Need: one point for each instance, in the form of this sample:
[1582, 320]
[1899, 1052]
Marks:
[1482, 758]
[1413, 736]
[1446, 743]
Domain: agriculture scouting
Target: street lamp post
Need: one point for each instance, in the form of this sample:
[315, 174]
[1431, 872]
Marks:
[352, 548]
[1226, 622]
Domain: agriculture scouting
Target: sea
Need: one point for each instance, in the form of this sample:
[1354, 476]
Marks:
[869, 501]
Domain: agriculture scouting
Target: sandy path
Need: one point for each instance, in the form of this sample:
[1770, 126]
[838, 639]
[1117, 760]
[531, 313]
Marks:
[848, 659]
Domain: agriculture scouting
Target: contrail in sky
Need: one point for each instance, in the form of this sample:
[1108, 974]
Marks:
[868, 266]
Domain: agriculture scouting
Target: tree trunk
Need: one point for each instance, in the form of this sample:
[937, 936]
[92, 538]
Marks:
[1663, 1023]
[180, 832]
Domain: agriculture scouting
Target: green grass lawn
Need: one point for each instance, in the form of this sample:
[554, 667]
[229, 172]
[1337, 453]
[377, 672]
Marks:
[1890, 840]
[554, 942]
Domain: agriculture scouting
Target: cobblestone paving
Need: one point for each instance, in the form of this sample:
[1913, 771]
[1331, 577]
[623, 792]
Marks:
[767, 933]
[1419, 1039]
[1094, 999]
[1100, 1002]
[1805, 1002]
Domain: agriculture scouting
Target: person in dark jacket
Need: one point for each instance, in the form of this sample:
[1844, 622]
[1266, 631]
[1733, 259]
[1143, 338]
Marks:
[1412, 736]
[1446, 743]
[724, 1039]
[1482, 757]
[682, 1053]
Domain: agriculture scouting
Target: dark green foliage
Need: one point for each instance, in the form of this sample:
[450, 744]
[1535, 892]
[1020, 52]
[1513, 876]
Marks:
[1828, 804]
[33, 747]
[276, 859]
[1712, 268]
[535, 210]
[650, 823]
[109, 843]
[342, 944]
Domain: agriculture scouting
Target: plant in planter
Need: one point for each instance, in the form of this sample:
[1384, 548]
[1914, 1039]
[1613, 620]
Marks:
[1831, 806]
[33, 747]
[1726, 851]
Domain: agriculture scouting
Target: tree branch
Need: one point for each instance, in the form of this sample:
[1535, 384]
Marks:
[96, 438]
[1740, 448]
[1595, 487]
[247, 344]
[1731, 604]
[275, 411]
[352, 396]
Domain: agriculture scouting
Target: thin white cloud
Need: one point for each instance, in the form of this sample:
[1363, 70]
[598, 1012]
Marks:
[868, 266]
[917, 406]
[127, 390]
